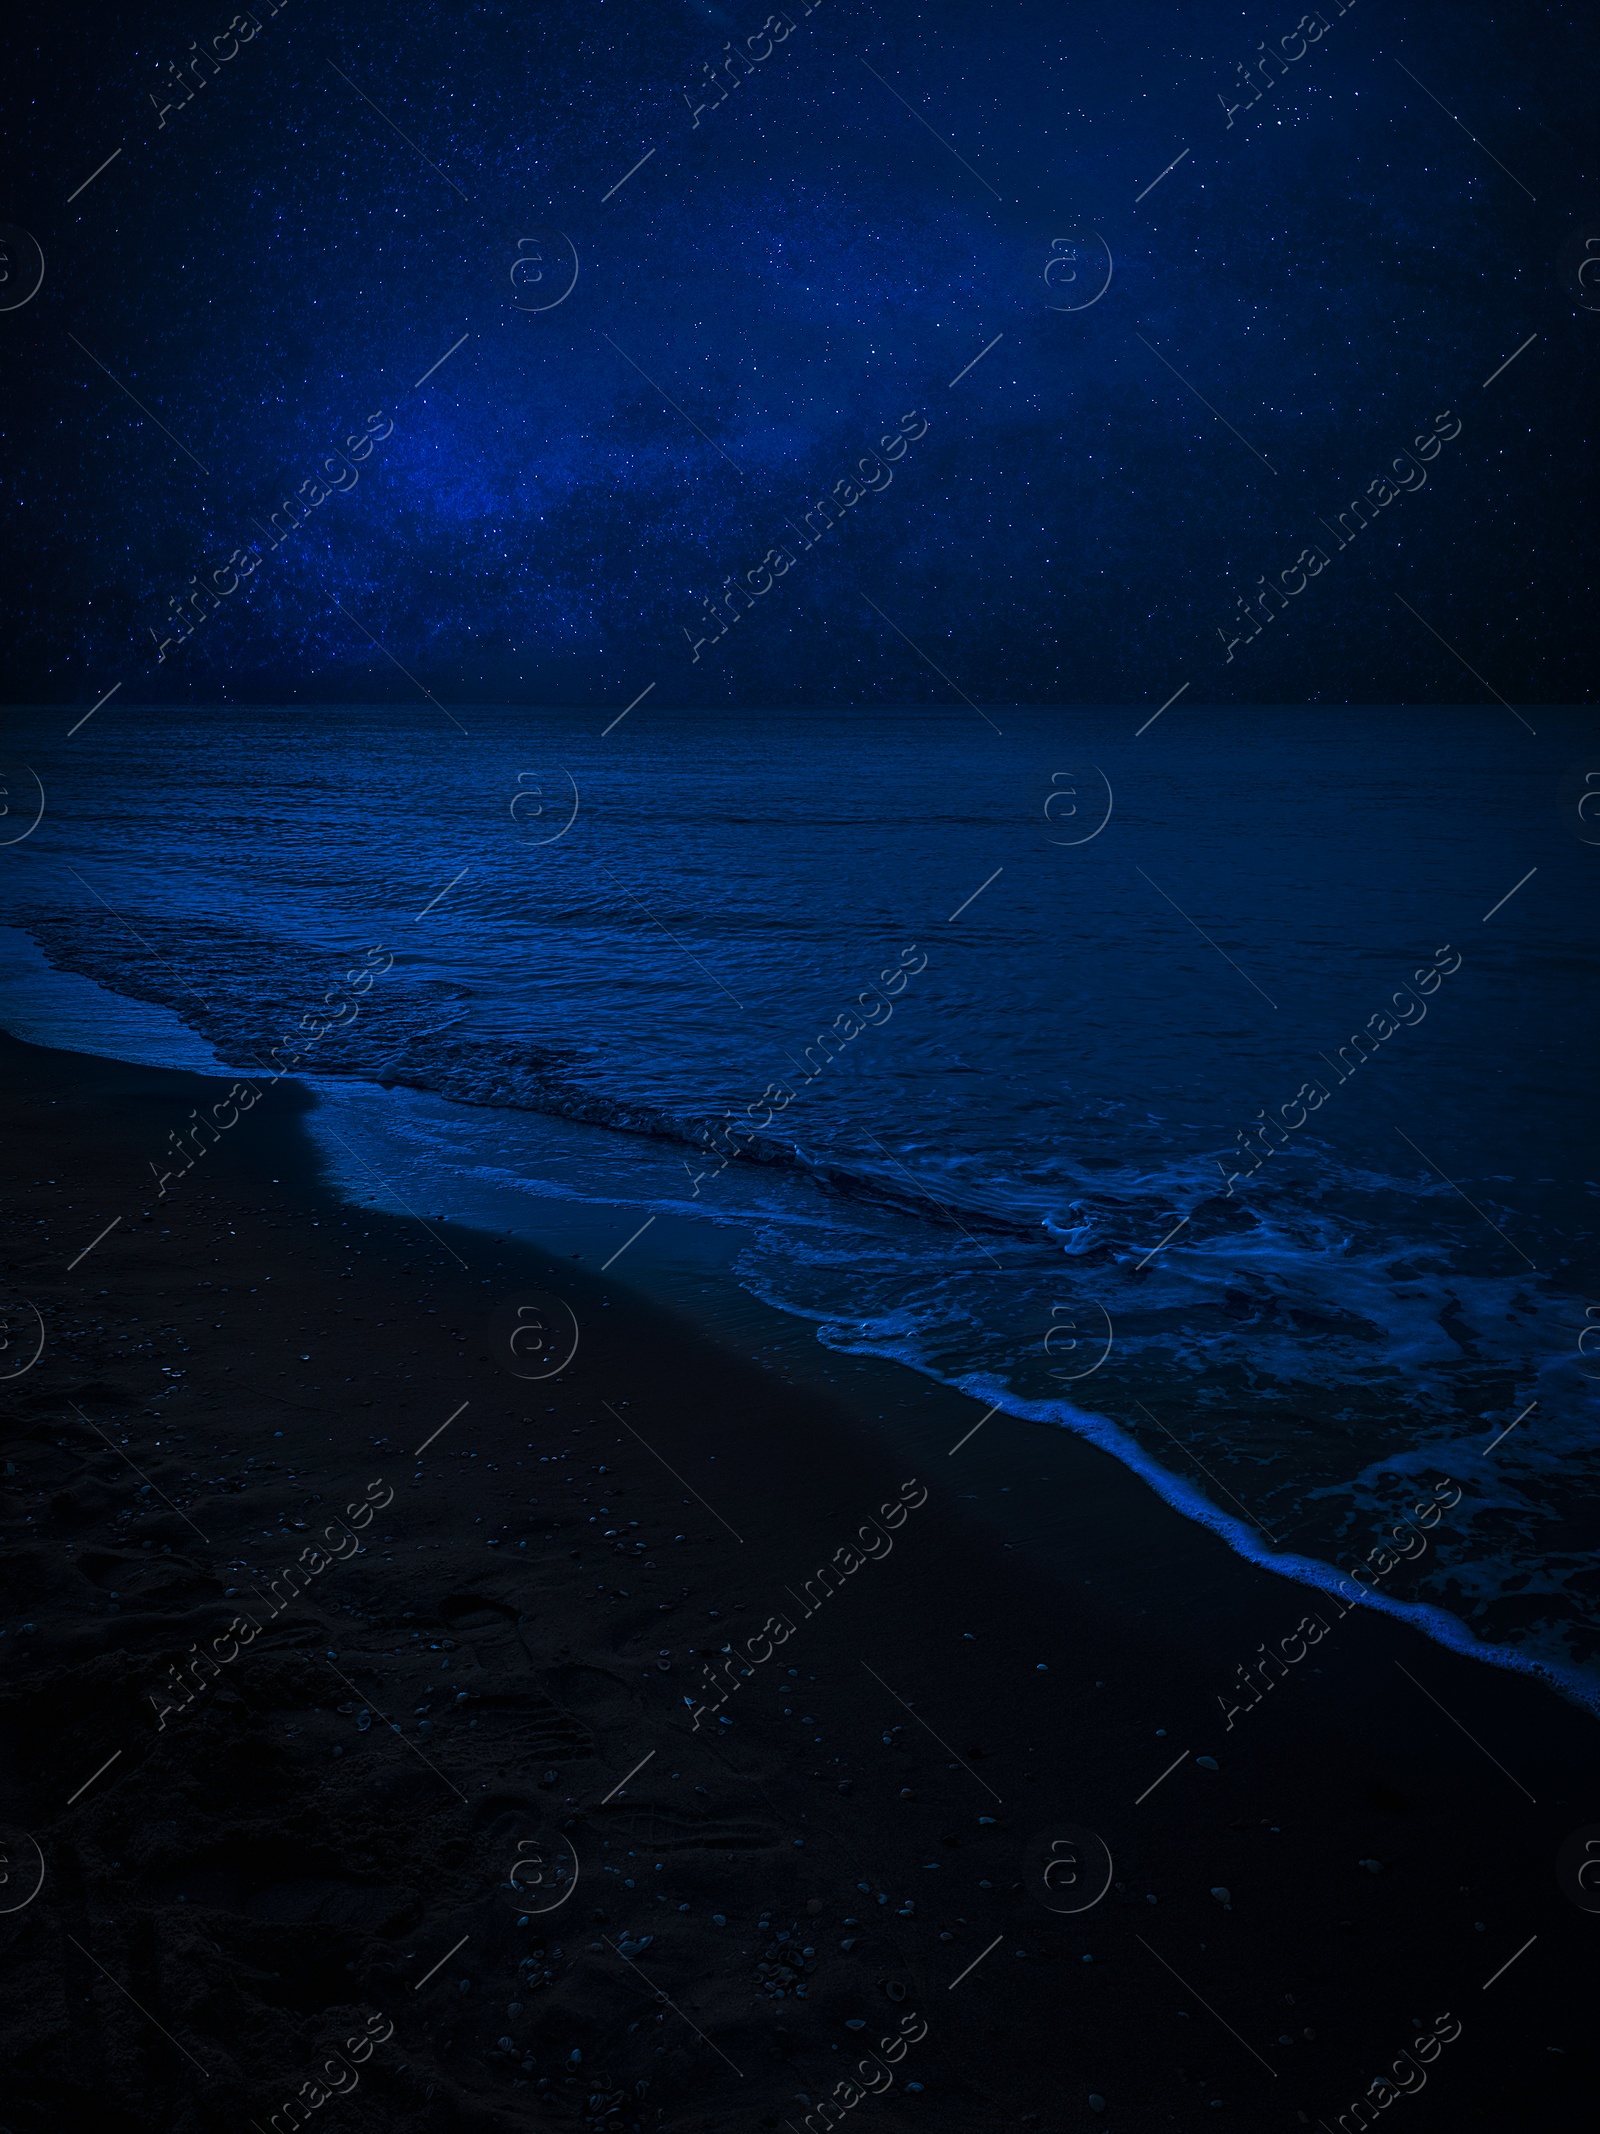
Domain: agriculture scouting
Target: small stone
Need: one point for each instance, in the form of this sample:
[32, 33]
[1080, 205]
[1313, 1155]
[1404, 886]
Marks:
[1096, 2104]
[1223, 1899]
[1208, 1763]
[1373, 1867]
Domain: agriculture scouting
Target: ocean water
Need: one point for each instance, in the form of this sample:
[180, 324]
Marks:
[996, 1014]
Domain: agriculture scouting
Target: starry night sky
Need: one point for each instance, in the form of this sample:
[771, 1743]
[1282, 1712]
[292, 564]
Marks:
[789, 275]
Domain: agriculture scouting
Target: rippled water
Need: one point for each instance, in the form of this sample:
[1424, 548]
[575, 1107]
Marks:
[1061, 970]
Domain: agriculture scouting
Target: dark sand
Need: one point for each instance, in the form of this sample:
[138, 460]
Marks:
[247, 1884]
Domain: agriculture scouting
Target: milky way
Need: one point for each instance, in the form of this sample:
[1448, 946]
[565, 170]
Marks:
[637, 287]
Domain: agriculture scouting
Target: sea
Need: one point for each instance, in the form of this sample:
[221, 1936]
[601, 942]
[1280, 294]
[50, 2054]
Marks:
[1017, 1046]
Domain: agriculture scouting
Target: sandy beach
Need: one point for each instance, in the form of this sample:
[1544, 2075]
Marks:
[799, 1748]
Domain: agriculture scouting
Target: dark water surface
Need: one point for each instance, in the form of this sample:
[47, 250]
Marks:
[1061, 971]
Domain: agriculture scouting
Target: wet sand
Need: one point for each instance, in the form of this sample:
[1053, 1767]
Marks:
[307, 1835]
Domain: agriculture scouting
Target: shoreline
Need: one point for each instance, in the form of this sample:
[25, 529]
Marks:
[653, 1268]
[954, 1705]
[678, 1239]
[1437, 1624]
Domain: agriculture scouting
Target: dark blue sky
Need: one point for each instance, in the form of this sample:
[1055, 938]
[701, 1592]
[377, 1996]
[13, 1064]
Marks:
[791, 276]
